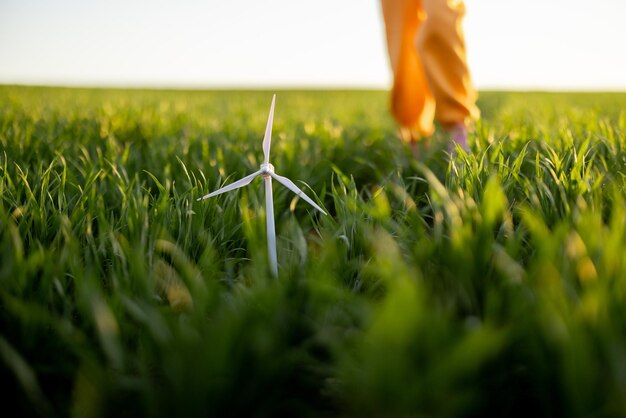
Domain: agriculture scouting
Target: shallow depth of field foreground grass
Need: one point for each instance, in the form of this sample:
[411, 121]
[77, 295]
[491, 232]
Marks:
[491, 285]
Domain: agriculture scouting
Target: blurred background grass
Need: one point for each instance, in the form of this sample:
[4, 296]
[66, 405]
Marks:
[491, 284]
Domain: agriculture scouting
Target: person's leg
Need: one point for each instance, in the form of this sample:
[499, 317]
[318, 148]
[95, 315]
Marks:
[441, 45]
[412, 104]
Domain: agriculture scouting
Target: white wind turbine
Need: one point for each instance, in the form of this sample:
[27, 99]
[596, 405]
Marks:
[267, 172]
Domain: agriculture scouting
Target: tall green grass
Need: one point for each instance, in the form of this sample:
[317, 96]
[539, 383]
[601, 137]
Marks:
[491, 283]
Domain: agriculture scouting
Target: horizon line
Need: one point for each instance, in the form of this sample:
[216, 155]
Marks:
[297, 87]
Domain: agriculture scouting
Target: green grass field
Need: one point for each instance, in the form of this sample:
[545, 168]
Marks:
[493, 284]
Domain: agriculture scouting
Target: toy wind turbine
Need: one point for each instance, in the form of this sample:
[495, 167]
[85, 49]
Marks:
[267, 172]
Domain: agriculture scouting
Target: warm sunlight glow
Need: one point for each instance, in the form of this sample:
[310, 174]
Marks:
[559, 44]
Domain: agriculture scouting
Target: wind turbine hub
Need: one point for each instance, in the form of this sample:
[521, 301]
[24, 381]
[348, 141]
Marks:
[266, 169]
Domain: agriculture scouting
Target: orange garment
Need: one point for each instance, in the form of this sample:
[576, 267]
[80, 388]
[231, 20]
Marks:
[426, 49]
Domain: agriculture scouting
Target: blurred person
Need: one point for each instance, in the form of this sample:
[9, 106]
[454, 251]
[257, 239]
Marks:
[431, 79]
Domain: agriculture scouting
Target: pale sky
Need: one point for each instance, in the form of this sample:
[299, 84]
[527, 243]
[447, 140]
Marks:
[512, 44]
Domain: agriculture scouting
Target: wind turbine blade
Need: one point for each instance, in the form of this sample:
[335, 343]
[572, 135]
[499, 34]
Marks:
[291, 186]
[267, 140]
[239, 183]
